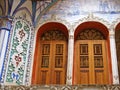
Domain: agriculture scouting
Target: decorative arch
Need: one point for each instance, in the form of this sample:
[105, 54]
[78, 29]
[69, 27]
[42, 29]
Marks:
[50, 25]
[115, 24]
[54, 19]
[94, 25]
[47, 27]
[90, 25]
[91, 18]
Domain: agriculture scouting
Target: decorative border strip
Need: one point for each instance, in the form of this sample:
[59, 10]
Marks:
[19, 57]
[62, 87]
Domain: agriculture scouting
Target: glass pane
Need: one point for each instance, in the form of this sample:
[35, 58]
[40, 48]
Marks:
[59, 49]
[45, 62]
[58, 61]
[97, 49]
[84, 49]
[98, 61]
[84, 62]
[46, 49]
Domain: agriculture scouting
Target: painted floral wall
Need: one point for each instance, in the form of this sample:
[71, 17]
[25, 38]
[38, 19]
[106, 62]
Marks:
[27, 16]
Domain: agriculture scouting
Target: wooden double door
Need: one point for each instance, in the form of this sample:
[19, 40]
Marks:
[91, 66]
[52, 62]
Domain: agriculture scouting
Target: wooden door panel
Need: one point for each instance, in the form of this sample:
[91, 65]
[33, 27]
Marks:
[84, 76]
[59, 67]
[52, 67]
[43, 78]
[91, 61]
[59, 77]
[44, 65]
[82, 58]
[99, 77]
[100, 61]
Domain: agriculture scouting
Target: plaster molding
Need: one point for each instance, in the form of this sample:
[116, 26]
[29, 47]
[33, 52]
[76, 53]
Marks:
[71, 36]
[115, 23]
[54, 18]
[91, 17]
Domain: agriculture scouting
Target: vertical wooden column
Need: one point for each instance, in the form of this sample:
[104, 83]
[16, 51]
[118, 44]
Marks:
[70, 60]
[114, 58]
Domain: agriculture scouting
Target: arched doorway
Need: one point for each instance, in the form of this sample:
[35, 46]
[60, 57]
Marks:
[91, 62]
[50, 61]
[117, 40]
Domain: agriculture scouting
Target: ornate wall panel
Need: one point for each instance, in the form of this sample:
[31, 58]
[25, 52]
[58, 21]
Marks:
[91, 34]
[20, 55]
[62, 87]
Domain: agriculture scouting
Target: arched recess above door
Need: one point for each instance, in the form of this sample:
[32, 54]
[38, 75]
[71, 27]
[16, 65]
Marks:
[94, 25]
[51, 26]
[48, 41]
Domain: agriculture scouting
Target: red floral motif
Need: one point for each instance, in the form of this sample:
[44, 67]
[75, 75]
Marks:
[18, 59]
[22, 34]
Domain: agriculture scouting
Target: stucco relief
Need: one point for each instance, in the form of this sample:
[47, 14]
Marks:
[53, 18]
[115, 23]
[72, 26]
[91, 17]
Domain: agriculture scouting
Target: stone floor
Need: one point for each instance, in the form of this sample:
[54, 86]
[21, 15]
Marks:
[62, 87]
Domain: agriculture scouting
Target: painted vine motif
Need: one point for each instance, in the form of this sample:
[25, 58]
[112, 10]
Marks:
[18, 54]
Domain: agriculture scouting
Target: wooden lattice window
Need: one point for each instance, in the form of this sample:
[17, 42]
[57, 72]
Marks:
[53, 35]
[90, 34]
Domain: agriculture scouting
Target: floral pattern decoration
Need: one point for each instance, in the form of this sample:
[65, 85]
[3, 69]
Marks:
[18, 53]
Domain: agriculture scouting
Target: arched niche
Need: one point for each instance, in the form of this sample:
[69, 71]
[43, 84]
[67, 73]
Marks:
[91, 41]
[117, 40]
[50, 58]
[92, 24]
